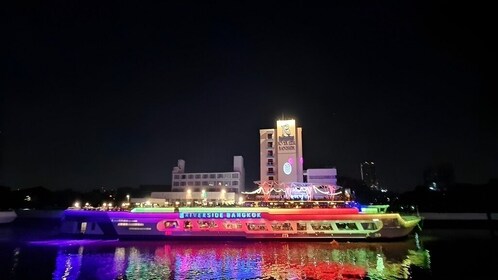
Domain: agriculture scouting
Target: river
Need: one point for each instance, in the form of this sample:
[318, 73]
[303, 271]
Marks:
[30, 251]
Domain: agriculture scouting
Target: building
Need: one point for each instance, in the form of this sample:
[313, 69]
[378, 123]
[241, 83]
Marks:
[321, 176]
[368, 175]
[200, 188]
[281, 155]
[230, 182]
[281, 168]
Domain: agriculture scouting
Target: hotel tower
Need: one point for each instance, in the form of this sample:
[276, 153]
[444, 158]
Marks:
[281, 154]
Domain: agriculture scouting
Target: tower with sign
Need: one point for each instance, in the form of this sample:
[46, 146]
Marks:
[281, 156]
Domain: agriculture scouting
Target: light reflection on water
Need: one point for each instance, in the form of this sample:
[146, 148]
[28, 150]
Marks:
[454, 254]
[238, 260]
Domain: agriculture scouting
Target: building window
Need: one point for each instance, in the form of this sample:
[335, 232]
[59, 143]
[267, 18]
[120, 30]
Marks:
[270, 153]
[176, 184]
[183, 176]
[270, 162]
[177, 177]
[212, 176]
[235, 183]
[270, 178]
[197, 176]
[270, 135]
[205, 183]
[270, 144]
[190, 176]
[219, 176]
[270, 170]
[182, 183]
[197, 183]
[235, 175]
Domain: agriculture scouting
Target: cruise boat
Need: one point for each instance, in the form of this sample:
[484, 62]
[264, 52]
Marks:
[261, 222]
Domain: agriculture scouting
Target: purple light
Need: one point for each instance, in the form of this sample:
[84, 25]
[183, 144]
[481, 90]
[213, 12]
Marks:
[291, 161]
[67, 242]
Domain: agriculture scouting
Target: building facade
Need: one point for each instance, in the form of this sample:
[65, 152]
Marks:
[196, 182]
[321, 176]
[281, 155]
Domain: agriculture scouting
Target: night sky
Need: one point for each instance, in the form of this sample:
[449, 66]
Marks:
[114, 94]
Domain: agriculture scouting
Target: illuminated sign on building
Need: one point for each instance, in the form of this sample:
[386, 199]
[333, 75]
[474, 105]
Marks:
[221, 215]
[286, 131]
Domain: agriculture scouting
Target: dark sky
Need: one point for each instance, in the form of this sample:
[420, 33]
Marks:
[113, 94]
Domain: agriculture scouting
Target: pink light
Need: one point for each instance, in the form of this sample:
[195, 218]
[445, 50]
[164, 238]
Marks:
[301, 160]
[291, 160]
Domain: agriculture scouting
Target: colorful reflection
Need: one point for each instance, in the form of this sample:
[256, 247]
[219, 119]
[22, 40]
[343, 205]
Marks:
[240, 260]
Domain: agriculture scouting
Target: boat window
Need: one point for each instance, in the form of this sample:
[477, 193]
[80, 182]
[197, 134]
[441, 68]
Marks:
[83, 227]
[230, 225]
[369, 226]
[207, 224]
[301, 226]
[187, 225]
[256, 227]
[346, 226]
[281, 226]
[321, 226]
[170, 224]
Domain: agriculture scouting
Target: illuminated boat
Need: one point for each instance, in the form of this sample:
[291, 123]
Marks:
[371, 222]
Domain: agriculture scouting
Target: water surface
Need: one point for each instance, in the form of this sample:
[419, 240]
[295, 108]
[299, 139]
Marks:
[428, 254]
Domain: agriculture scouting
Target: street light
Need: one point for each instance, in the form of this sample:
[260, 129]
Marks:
[222, 195]
[204, 197]
[189, 196]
